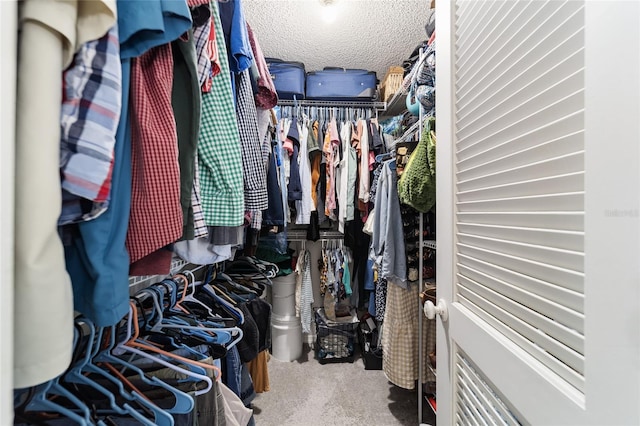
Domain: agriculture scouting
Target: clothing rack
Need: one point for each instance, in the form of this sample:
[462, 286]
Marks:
[137, 283]
[297, 235]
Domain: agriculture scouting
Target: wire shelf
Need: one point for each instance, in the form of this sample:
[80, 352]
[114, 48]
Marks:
[430, 244]
[301, 235]
[334, 104]
[137, 283]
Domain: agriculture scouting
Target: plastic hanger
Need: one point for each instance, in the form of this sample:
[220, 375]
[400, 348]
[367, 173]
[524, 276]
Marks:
[222, 293]
[76, 375]
[159, 322]
[229, 308]
[132, 346]
[212, 333]
[184, 403]
[161, 417]
[232, 285]
[40, 401]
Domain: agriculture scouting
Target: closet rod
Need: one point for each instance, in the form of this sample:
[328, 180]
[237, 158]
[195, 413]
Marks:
[295, 236]
[334, 104]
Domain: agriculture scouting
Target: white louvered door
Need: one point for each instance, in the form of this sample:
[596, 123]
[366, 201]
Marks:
[538, 212]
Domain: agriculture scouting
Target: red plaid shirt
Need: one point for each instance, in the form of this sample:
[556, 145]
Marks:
[156, 214]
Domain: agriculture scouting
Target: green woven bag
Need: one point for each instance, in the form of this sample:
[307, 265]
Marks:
[417, 185]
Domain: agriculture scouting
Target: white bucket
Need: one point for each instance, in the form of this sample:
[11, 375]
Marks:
[284, 296]
[286, 338]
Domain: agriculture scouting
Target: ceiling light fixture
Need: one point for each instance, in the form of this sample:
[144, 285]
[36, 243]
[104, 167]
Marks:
[329, 11]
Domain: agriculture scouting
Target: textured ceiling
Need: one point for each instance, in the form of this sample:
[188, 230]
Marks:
[368, 34]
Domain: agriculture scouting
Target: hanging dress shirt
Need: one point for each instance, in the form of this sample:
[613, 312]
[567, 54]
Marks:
[186, 103]
[156, 214]
[90, 114]
[254, 172]
[219, 154]
[303, 206]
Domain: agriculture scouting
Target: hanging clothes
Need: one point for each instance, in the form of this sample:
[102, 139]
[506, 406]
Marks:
[400, 336]
[387, 244]
[253, 171]
[330, 149]
[304, 205]
[90, 113]
[336, 281]
[266, 97]
[304, 290]
[274, 214]
[292, 146]
[154, 165]
[51, 33]
[343, 175]
[97, 259]
[363, 188]
[186, 105]
[220, 160]
[352, 176]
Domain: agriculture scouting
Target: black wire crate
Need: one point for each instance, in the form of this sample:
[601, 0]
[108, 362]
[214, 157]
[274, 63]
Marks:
[335, 341]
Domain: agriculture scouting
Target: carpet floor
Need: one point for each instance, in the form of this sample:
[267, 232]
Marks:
[305, 392]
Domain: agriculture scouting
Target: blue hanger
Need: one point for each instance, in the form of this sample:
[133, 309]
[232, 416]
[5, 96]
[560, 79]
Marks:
[122, 348]
[184, 402]
[40, 402]
[74, 375]
[161, 417]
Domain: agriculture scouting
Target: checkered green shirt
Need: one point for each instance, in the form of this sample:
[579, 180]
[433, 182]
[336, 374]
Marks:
[219, 149]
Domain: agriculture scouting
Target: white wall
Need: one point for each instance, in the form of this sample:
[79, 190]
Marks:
[8, 36]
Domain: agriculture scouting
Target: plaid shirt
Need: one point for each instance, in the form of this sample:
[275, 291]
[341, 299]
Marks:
[207, 51]
[199, 225]
[253, 168]
[201, 36]
[156, 217]
[219, 153]
[89, 119]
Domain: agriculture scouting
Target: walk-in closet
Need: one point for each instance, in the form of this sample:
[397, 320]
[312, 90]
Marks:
[319, 212]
